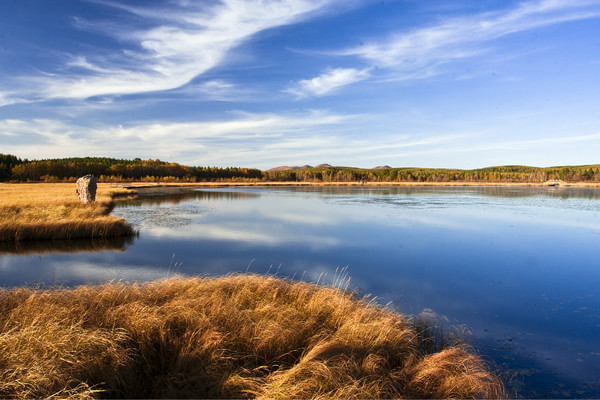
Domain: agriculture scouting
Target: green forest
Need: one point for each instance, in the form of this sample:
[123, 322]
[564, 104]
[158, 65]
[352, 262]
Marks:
[14, 169]
[115, 170]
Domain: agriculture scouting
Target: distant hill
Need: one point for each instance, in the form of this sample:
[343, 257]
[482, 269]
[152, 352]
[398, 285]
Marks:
[286, 168]
[320, 166]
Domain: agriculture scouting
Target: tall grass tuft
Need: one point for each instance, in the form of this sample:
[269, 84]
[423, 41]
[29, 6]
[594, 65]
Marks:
[239, 336]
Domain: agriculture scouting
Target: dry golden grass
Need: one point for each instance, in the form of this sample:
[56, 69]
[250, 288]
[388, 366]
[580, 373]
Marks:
[53, 211]
[239, 336]
[44, 193]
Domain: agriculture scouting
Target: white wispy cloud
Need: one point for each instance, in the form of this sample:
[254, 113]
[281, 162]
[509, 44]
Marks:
[269, 140]
[238, 140]
[216, 89]
[4, 99]
[419, 53]
[185, 40]
[485, 152]
[425, 48]
[8, 97]
[256, 140]
[327, 82]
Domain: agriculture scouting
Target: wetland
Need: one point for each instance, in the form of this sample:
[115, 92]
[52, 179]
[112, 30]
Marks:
[517, 268]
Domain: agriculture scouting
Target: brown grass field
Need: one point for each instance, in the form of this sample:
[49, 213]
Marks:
[31, 211]
[238, 336]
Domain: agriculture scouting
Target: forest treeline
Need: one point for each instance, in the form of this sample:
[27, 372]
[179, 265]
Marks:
[15, 169]
[113, 170]
[524, 174]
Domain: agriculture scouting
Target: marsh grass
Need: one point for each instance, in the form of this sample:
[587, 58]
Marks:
[52, 211]
[238, 336]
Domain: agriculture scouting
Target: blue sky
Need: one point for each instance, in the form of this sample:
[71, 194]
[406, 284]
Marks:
[263, 83]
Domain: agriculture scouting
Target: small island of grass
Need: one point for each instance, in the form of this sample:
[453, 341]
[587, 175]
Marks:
[30, 211]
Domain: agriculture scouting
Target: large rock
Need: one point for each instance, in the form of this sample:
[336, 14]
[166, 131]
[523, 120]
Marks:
[86, 189]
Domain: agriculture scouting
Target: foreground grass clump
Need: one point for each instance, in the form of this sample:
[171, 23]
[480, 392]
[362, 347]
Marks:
[239, 336]
[53, 211]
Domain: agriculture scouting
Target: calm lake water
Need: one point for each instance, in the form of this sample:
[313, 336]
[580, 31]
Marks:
[518, 267]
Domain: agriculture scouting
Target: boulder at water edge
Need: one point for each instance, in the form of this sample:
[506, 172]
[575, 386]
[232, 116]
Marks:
[86, 189]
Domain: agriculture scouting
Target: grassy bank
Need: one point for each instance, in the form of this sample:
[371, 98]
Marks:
[241, 336]
[53, 211]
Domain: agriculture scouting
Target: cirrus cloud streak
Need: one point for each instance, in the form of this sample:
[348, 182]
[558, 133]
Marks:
[420, 53]
[183, 42]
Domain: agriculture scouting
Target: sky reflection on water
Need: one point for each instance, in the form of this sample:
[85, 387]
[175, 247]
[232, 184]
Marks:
[519, 267]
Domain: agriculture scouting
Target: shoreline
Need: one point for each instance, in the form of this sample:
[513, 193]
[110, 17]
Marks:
[157, 189]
